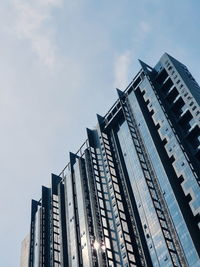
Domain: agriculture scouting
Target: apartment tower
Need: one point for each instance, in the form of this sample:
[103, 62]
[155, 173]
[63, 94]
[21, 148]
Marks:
[130, 196]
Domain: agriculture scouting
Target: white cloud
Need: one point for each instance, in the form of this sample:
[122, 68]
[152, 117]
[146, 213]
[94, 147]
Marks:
[123, 62]
[31, 25]
[142, 32]
[145, 27]
[121, 68]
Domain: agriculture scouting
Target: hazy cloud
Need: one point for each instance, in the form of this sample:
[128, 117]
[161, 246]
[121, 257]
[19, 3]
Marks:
[143, 30]
[30, 24]
[123, 62]
[121, 69]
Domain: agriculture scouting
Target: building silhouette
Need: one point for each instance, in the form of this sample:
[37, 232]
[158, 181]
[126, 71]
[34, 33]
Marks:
[131, 195]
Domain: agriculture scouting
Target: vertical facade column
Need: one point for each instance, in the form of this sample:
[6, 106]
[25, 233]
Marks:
[33, 235]
[166, 225]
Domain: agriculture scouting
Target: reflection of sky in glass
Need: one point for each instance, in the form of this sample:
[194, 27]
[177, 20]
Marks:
[82, 216]
[175, 212]
[147, 212]
[73, 250]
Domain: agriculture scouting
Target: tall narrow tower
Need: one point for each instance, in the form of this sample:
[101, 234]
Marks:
[131, 195]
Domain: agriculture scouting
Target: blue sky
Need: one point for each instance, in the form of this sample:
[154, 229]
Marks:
[60, 62]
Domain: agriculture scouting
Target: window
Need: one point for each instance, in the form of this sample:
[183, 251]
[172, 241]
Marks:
[191, 103]
[124, 255]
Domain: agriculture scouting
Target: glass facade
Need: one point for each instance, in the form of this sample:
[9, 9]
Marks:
[131, 195]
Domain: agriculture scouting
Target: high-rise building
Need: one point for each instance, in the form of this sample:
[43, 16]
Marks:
[131, 195]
